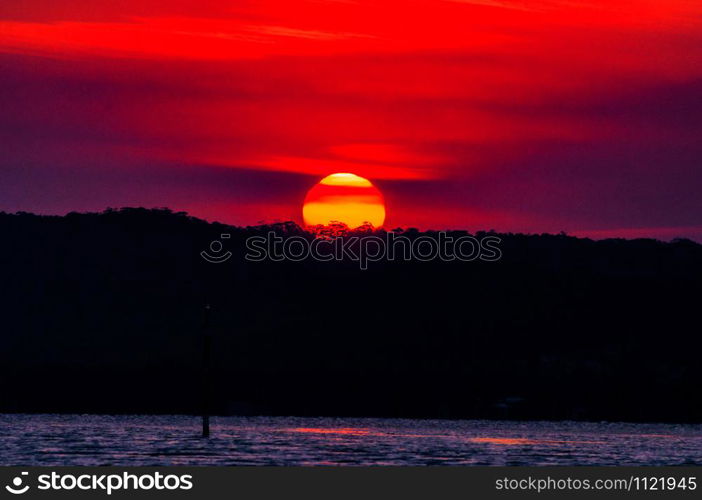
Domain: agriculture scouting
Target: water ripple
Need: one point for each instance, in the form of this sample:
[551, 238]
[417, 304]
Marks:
[54, 440]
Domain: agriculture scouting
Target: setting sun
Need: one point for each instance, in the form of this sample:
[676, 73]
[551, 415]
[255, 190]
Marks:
[344, 197]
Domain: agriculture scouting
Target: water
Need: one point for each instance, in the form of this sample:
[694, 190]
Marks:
[174, 440]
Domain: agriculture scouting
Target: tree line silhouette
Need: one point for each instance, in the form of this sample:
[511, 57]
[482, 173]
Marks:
[102, 312]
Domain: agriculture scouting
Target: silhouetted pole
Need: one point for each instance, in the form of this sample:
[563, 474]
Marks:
[206, 344]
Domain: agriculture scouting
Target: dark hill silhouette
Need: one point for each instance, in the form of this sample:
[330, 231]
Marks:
[102, 313]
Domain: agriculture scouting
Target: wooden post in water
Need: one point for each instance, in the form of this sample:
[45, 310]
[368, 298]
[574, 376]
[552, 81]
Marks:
[206, 344]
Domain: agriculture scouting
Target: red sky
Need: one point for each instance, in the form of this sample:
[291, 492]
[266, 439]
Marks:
[546, 115]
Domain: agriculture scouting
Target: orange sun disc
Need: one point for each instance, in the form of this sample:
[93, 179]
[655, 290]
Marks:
[346, 198]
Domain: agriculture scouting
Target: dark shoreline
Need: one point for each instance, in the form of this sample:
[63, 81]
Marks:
[103, 313]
